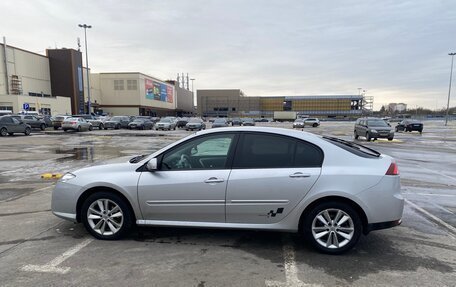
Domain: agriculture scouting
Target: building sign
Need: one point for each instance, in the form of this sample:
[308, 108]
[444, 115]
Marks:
[158, 91]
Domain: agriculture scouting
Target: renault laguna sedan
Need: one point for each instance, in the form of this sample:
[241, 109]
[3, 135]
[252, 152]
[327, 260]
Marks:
[330, 190]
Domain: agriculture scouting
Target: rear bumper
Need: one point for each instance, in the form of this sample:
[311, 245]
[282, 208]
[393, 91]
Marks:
[382, 225]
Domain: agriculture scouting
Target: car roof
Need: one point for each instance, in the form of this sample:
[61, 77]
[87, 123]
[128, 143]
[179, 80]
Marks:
[271, 130]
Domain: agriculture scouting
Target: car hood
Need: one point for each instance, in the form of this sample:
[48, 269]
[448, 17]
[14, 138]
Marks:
[111, 165]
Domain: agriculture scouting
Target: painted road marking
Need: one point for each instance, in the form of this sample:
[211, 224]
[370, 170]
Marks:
[429, 194]
[433, 217]
[291, 270]
[52, 266]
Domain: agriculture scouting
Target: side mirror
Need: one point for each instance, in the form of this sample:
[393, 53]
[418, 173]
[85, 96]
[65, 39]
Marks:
[152, 165]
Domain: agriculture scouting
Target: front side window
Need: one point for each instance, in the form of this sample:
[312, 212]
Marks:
[208, 152]
[264, 151]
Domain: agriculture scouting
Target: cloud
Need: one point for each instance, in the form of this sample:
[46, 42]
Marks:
[396, 50]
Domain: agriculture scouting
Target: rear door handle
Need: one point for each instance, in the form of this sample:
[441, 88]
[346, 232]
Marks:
[299, 174]
[214, 180]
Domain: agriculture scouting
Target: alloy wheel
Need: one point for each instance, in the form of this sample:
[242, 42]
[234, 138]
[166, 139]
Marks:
[105, 217]
[333, 228]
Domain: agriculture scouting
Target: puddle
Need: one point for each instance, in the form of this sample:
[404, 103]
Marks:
[89, 154]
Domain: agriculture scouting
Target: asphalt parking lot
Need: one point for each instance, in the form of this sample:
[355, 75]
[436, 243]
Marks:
[39, 249]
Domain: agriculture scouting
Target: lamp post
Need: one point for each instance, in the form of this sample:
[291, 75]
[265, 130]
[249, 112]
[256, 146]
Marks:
[85, 26]
[193, 96]
[449, 89]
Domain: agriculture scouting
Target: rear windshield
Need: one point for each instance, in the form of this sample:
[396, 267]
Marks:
[354, 148]
[219, 121]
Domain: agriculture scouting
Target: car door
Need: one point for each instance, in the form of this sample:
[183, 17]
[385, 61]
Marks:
[271, 174]
[190, 183]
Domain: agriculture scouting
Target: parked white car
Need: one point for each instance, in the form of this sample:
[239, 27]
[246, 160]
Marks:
[328, 189]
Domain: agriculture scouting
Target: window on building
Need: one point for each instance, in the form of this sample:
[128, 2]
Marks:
[132, 85]
[119, 85]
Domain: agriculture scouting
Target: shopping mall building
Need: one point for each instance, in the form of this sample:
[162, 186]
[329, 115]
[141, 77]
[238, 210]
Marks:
[234, 103]
[56, 83]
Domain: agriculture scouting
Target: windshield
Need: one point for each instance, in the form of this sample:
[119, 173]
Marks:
[299, 121]
[165, 120]
[248, 120]
[219, 121]
[115, 119]
[195, 121]
[377, 123]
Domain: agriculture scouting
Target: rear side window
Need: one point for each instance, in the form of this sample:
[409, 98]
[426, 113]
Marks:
[271, 151]
[307, 155]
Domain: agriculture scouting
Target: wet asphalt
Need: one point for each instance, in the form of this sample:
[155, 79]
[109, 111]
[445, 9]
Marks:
[420, 252]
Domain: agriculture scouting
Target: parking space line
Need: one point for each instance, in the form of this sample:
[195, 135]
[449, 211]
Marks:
[291, 270]
[52, 266]
[26, 194]
[433, 217]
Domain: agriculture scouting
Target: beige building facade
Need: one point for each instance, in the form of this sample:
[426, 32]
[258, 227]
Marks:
[25, 81]
[132, 94]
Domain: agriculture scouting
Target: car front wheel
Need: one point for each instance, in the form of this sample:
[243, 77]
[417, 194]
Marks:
[106, 216]
[368, 137]
[27, 131]
[333, 227]
[355, 135]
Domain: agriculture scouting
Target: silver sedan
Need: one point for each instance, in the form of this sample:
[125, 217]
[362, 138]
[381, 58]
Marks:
[76, 124]
[330, 190]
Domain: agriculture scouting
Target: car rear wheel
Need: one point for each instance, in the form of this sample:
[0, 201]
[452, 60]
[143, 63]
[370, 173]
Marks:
[106, 216]
[333, 227]
[368, 137]
[90, 128]
[315, 125]
[3, 132]
[56, 128]
[101, 126]
[27, 131]
[79, 128]
[42, 127]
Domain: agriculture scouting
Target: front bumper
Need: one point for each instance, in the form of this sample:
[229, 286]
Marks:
[64, 199]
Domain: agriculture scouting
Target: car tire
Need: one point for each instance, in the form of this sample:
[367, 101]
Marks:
[390, 139]
[90, 128]
[421, 131]
[56, 128]
[42, 127]
[79, 128]
[397, 130]
[337, 241]
[105, 128]
[368, 137]
[315, 125]
[3, 132]
[11, 134]
[356, 136]
[117, 127]
[109, 227]
[101, 126]
[64, 130]
[174, 128]
[27, 131]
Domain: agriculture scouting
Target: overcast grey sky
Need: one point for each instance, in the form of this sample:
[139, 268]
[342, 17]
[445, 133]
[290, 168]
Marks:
[396, 50]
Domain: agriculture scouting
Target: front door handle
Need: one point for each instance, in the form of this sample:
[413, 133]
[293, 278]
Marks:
[299, 174]
[214, 180]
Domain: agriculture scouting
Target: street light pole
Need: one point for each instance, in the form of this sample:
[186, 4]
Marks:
[85, 26]
[449, 89]
[193, 96]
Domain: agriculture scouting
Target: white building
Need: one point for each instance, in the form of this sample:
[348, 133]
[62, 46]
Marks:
[25, 81]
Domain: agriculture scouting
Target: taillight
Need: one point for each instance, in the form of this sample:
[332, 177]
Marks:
[392, 170]
[73, 123]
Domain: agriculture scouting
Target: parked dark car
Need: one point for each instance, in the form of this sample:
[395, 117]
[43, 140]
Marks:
[409, 125]
[195, 124]
[181, 122]
[32, 121]
[10, 125]
[219, 123]
[117, 122]
[373, 128]
[48, 120]
[236, 122]
[248, 122]
[141, 124]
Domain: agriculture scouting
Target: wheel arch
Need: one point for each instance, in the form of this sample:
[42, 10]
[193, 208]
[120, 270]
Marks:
[345, 200]
[93, 190]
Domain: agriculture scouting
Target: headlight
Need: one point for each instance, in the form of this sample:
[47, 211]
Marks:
[67, 176]
[374, 131]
